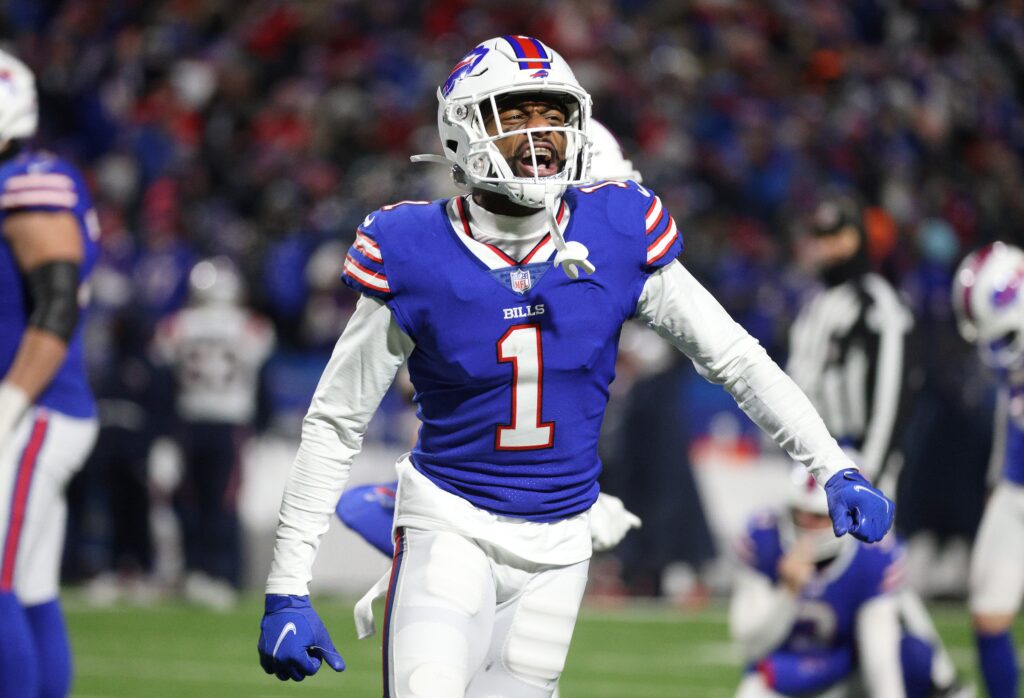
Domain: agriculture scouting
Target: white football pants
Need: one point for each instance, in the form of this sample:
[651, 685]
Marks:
[464, 618]
[997, 560]
[36, 463]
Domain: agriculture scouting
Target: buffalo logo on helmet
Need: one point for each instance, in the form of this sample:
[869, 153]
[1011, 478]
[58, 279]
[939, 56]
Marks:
[1002, 297]
[463, 68]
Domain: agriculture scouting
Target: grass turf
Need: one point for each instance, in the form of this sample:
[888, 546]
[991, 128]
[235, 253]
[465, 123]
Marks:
[642, 651]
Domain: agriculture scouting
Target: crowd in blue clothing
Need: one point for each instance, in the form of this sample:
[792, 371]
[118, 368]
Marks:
[267, 130]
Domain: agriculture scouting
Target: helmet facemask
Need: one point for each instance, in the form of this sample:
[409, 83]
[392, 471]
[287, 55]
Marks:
[482, 164]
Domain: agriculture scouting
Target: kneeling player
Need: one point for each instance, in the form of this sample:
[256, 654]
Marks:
[816, 615]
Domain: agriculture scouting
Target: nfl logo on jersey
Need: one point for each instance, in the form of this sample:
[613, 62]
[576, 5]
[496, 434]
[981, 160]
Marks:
[520, 280]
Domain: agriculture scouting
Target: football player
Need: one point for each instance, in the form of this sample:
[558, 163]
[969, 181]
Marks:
[989, 309]
[816, 615]
[48, 245]
[368, 510]
[216, 348]
[507, 304]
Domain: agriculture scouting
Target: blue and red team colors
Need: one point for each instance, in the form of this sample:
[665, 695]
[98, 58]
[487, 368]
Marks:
[369, 510]
[40, 181]
[821, 648]
[512, 364]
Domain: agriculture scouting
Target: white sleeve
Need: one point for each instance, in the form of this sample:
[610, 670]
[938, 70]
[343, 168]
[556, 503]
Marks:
[1000, 429]
[682, 311]
[362, 367]
[878, 646]
[760, 614]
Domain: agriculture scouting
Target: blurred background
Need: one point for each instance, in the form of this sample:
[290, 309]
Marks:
[265, 131]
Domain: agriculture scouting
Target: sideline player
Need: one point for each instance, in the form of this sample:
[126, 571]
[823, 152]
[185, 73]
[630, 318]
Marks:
[989, 308]
[507, 304]
[816, 615]
[47, 413]
[216, 348]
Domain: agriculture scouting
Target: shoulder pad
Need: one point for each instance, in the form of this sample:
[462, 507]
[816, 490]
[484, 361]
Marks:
[398, 213]
[38, 181]
[637, 210]
[884, 565]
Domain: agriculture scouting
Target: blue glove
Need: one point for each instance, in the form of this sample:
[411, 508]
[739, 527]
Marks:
[858, 508]
[293, 640]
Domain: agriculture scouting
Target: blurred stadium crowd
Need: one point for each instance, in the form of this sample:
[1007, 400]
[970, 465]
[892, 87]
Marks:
[266, 130]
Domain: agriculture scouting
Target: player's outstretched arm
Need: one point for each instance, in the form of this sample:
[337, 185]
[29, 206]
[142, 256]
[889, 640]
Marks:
[675, 305]
[857, 508]
[293, 640]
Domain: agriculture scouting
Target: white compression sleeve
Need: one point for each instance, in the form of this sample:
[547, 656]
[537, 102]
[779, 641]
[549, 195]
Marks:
[364, 363]
[682, 311]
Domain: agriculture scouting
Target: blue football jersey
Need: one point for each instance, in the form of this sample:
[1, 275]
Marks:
[513, 359]
[1013, 463]
[828, 605]
[39, 181]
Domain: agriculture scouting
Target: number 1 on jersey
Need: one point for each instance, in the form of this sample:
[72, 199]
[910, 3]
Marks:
[521, 347]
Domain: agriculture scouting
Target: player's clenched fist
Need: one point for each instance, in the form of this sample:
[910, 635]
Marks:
[293, 639]
[857, 508]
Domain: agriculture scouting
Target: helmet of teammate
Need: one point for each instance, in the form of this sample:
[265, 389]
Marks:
[215, 281]
[805, 496]
[607, 160]
[989, 304]
[19, 109]
[469, 99]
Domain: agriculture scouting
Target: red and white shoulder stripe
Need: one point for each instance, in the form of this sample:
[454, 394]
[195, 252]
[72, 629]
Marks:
[365, 244]
[51, 189]
[365, 275]
[662, 233]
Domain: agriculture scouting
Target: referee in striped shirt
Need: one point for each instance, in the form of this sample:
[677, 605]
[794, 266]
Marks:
[848, 345]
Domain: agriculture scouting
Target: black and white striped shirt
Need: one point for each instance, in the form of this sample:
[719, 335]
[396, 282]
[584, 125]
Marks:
[848, 352]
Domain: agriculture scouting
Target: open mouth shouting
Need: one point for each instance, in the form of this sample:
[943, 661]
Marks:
[547, 159]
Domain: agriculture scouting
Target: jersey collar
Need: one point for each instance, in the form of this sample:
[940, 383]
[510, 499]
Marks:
[493, 257]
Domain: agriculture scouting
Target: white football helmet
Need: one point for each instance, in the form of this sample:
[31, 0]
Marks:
[806, 495]
[607, 161]
[988, 299]
[19, 109]
[469, 98]
[215, 281]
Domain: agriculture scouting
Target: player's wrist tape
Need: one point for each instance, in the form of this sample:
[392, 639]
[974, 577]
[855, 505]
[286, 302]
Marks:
[53, 288]
[13, 403]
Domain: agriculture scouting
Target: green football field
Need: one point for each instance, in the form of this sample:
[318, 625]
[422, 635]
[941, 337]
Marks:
[646, 651]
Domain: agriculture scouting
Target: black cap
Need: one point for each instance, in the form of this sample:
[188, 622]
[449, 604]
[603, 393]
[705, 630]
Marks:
[832, 215]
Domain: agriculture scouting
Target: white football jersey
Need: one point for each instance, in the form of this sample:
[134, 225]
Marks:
[216, 352]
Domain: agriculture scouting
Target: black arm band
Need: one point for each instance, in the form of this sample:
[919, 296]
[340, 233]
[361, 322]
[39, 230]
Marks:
[53, 298]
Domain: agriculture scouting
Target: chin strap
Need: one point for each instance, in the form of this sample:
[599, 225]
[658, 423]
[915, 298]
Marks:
[572, 255]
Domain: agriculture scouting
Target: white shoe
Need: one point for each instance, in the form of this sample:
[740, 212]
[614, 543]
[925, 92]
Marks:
[211, 593]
